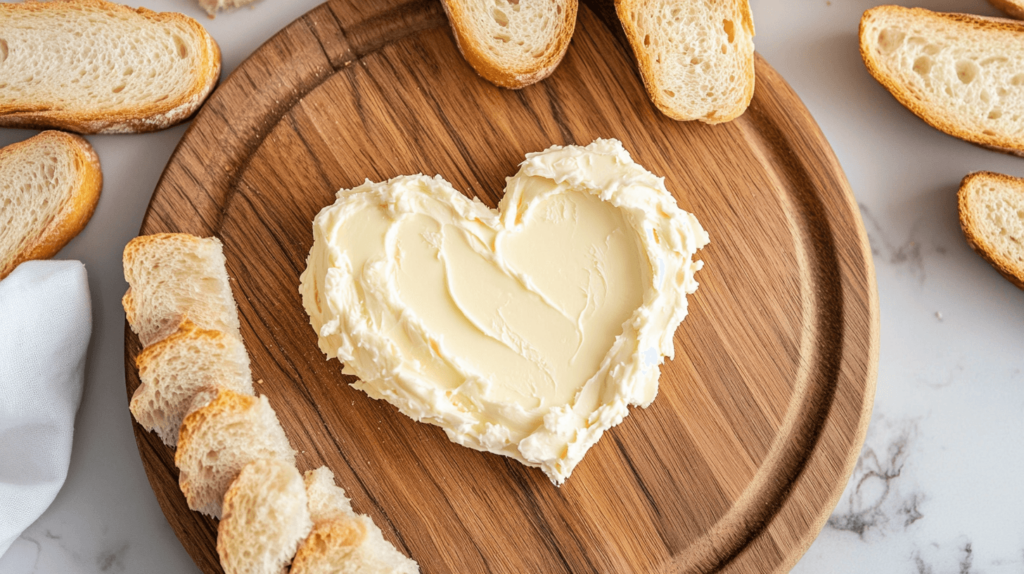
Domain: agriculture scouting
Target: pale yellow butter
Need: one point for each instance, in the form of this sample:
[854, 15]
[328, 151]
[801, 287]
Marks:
[524, 332]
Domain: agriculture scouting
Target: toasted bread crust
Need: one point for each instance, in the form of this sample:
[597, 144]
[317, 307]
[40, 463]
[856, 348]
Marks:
[1012, 272]
[488, 68]
[143, 242]
[187, 330]
[1011, 7]
[650, 78]
[327, 537]
[130, 119]
[934, 116]
[73, 215]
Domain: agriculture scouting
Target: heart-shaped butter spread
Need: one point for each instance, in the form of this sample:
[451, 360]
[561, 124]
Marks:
[525, 331]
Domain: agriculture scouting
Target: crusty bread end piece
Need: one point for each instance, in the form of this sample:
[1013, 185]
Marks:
[174, 276]
[1013, 8]
[217, 440]
[512, 43]
[962, 74]
[343, 542]
[175, 369]
[265, 518]
[696, 58]
[992, 216]
[91, 66]
[49, 186]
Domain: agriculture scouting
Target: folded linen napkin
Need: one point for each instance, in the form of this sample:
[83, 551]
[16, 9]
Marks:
[45, 324]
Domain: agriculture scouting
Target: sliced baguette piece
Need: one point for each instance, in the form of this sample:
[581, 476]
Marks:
[991, 209]
[49, 186]
[343, 542]
[962, 74]
[1013, 8]
[696, 58]
[265, 518]
[512, 43]
[178, 367]
[220, 438]
[91, 66]
[174, 276]
[212, 6]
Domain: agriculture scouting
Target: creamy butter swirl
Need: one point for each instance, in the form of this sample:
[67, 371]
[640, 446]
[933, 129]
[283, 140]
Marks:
[525, 331]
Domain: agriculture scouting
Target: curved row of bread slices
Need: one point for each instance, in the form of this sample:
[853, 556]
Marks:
[234, 459]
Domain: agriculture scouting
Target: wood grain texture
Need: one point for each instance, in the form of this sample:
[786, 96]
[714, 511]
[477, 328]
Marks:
[760, 417]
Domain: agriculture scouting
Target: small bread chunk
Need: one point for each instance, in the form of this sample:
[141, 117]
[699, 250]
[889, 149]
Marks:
[512, 43]
[265, 518]
[211, 6]
[218, 439]
[696, 58]
[91, 66]
[961, 74]
[49, 186]
[343, 542]
[1013, 8]
[174, 276]
[326, 501]
[992, 217]
[175, 369]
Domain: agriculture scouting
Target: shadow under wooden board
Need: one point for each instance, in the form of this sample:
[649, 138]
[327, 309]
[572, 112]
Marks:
[761, 415]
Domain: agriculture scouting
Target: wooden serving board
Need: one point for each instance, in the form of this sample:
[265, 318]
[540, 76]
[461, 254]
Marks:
[761, 414]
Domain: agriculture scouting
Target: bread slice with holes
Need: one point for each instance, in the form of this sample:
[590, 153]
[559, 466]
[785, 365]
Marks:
[174, 276]
[49, 186]
[218, 439]
[1013, 8]
[343, 542]
[992, 216]
[512, 43]
[175, 369]
[91, 66]
[961, 74]
[696, 58]
[265, 518]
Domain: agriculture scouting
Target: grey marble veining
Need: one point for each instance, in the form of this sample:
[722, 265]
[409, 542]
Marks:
[937, 488]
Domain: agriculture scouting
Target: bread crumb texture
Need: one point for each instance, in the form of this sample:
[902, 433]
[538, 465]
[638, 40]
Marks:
[517, 33]
[219, 439]
[95, 65]
[265, 519]
[49, 186]
[34, 182]
[696, 57]
[962, 74]
[992, 217]
[173, 276]
[173, 370]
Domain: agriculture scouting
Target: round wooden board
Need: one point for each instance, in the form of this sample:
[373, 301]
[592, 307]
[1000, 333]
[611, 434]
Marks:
[760, 416]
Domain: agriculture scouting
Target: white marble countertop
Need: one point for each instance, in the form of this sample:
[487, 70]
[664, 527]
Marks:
[937, 488]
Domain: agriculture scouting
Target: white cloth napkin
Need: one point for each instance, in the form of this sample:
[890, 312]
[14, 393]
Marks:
[45, 324]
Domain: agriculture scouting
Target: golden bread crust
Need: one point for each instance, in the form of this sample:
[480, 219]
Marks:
[1012, 271]
[226, 401]
[650, 77]
[328, 538]
[130, 118]
[488, 68]
[76, 212]
[1013, 8]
